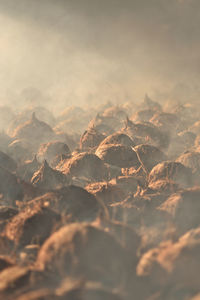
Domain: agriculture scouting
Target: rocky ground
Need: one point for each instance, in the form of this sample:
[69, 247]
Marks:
[100, 203]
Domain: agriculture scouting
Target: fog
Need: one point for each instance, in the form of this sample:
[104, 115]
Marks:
[86, 51]
[99, 149]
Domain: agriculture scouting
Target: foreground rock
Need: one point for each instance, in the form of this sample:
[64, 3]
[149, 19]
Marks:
[79, 250]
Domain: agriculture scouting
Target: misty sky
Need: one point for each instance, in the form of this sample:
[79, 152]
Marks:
[86, 50]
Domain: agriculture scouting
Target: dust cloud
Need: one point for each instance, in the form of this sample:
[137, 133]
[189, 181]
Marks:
[63, 52]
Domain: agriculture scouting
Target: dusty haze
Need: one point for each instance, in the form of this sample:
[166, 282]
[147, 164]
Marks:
[86, 51]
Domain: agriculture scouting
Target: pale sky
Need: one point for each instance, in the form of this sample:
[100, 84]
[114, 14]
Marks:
[87, 50]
